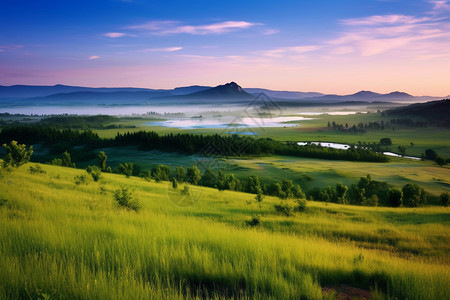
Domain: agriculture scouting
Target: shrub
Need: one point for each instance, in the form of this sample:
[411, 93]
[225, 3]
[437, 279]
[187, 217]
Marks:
[413, 195]
[126, 169]
[16, 154]
[36, 169]
[80, 179]
[253, 222]
[193, 175]
[125, 198]
[445, 197]
[301, 204]
[371, 201]
[185, 191]
[285, 208]
[395, 197]
[95, 172]
[174, 183]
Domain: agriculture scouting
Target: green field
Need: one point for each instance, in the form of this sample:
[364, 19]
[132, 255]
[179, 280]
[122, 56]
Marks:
[436, 138]
[60, 240]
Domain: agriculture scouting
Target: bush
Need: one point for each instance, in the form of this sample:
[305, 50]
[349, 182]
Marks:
[285, 208]
[81, 179]
[445, 197]
[126, 169]
[255, 221]
[395, 197]
[185, 191]
[371, 201]
[174, 183]
[413, 195]
[125, 198]
[16, 154]
[95, 172]
[301, 205]
[36, 169]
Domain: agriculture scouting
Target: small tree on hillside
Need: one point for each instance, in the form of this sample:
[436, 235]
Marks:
[445, 197]
[66, 161]
[16, 154]
[413, 195]
[193, 175]
[95, 172]
[126, 169]
[395, 197]
[102, 160]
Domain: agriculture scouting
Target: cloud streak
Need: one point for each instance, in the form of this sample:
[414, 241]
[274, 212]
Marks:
[167, 49]
[115, 34]
[93, 57]
[175, 27]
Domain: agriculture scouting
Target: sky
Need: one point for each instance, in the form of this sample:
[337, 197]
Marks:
[338, 47]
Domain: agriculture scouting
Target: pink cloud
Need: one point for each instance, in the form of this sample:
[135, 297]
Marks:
[385, 19]
[94, 57]
[167, 49]
[174, 27]
[115, 34]
[440, 6]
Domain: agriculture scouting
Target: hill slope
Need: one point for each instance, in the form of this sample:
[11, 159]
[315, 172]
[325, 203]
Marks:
[63, 240]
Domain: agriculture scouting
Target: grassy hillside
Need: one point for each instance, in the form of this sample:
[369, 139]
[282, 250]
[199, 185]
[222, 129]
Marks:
[62, 240]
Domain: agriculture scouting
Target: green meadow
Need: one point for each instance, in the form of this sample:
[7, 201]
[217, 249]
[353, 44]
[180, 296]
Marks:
[60, 240]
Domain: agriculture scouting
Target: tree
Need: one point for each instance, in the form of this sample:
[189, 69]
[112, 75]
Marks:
[161, 173]
[126, 198]
[180, 174]
[16, 154]
[253, 185]
[193, 175]
[259, 197]
[385, 141]
[102, 160]
[66, 161]
[341, 191]
[208, 178]
[413, 195]
[445, 197]
[126, 169]
[355, 194]
[430, 154]
[371, 201]
[297, 192]
[287, 186]
[278, 191]
[95, 172]
[174, 183]
[401, 150]
[439, 161]
[395, 197]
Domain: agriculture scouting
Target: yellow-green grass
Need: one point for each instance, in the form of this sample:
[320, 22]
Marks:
[63, 240]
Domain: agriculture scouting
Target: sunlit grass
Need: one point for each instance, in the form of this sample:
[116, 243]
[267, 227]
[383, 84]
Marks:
[63, 240]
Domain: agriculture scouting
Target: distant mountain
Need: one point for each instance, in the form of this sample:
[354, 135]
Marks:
[283, 94]
[29, 91]
[34, 95]
[367, 96]
[230, 92]
[189, 89]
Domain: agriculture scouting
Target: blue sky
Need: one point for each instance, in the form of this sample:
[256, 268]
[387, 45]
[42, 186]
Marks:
[327, 46]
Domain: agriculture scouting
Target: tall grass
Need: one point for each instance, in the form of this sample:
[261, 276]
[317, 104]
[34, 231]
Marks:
[62, 240]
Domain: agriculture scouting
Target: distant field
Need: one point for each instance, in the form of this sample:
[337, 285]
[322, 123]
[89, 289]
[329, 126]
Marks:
[436, 138]
[60, 240]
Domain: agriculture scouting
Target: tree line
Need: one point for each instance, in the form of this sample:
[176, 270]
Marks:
[59, 140]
